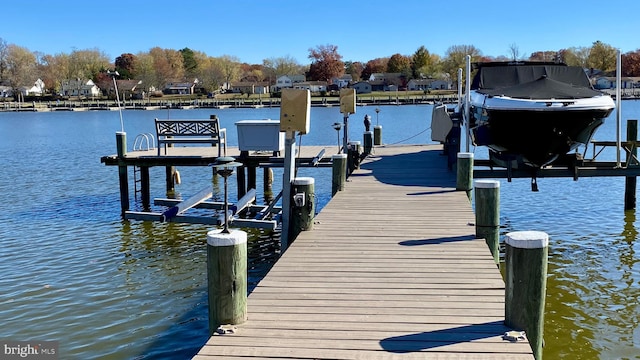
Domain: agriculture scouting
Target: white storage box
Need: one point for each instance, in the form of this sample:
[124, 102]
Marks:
[260, 135]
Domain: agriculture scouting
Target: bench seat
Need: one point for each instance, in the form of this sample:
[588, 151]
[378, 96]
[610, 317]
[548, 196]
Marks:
[191, 132]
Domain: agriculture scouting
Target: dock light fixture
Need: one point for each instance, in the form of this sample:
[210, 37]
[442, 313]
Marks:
[225, 167]
[337, 126]
[377, 112]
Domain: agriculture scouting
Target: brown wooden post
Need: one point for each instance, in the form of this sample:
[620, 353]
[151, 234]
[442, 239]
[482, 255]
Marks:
[121, 143]
[170, 175]
[631, 181]
[251, 177]
[145, 192]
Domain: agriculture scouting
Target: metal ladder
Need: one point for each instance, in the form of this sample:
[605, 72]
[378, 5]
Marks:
[142, 142]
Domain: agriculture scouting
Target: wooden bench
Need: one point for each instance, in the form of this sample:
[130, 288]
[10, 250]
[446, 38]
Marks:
[191, 132]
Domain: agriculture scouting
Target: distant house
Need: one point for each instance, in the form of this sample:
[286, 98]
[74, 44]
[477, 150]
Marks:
[342, 81]
[362, 87]
[428, 84]
[313, 86]
[36, 90]
[605, 82]
[249, 87]
[288, 81]
[79, 87]
[127, 89]
[6, 91]
[179, 88]
[385, 76]
[378, 85]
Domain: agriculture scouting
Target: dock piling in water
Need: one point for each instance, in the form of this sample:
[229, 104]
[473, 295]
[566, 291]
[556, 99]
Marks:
[227, 278]
[631, 181]
[487, 198]
[303, 205]
[339, 173]
[464, 178]
[526, 258]
[121, 144]
[367, 138]
[377, 135]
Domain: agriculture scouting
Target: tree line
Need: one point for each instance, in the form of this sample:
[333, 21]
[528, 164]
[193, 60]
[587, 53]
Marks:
[157, 67]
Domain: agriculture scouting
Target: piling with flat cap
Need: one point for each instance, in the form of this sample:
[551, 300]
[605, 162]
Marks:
[227, 278]
[367, 138]
[464, 180]
[121, 143]
[303, 205]
[526, 257]
[339, 172]
[377, 135]
[487, 198]
[353, 161]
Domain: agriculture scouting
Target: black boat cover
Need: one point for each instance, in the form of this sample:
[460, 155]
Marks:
[533, 81]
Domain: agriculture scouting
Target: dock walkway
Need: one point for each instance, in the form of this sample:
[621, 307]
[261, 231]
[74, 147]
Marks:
[391, 269]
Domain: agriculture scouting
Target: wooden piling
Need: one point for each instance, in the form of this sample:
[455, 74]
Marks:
[227, 278]
[487, 199]
[631, 181]
[303, 205]
[241, 181]
[121, 144]
[353, 161]
[464, 179]
[377, 135]
[339, 173]
[251, 177]
[170, 179]
[526, 257]
[367, 138]
[145, 189]
[267, 179]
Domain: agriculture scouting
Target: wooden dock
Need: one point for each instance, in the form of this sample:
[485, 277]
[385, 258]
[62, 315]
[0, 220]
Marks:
[391, 269]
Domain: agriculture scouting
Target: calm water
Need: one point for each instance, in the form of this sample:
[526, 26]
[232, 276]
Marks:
[72, 271]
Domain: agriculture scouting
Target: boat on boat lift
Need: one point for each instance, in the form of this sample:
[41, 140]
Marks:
[532, 113]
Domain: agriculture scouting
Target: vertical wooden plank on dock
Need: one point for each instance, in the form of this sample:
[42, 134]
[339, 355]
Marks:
[631, 181]
[121, 143]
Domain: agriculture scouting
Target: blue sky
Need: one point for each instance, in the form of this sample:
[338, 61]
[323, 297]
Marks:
[362, 30]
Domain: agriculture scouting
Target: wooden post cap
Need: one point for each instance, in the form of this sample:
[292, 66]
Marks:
[527, 239]
[339, 156]
[486, 184]
[218, 238]
[377, 126]
[465, 155]
[304, 181]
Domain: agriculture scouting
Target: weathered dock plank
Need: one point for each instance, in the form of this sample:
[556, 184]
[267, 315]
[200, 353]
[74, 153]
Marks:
[392, 269]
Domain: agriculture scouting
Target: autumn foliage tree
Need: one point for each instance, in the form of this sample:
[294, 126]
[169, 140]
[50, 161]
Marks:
[378, 65]
[125, 65]
[326, 63]
[631, 63]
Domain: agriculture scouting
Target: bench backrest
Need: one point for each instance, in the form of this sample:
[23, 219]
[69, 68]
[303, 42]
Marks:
[188, 128]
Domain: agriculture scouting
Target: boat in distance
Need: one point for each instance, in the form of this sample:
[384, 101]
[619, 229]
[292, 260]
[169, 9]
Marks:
[532, 113]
